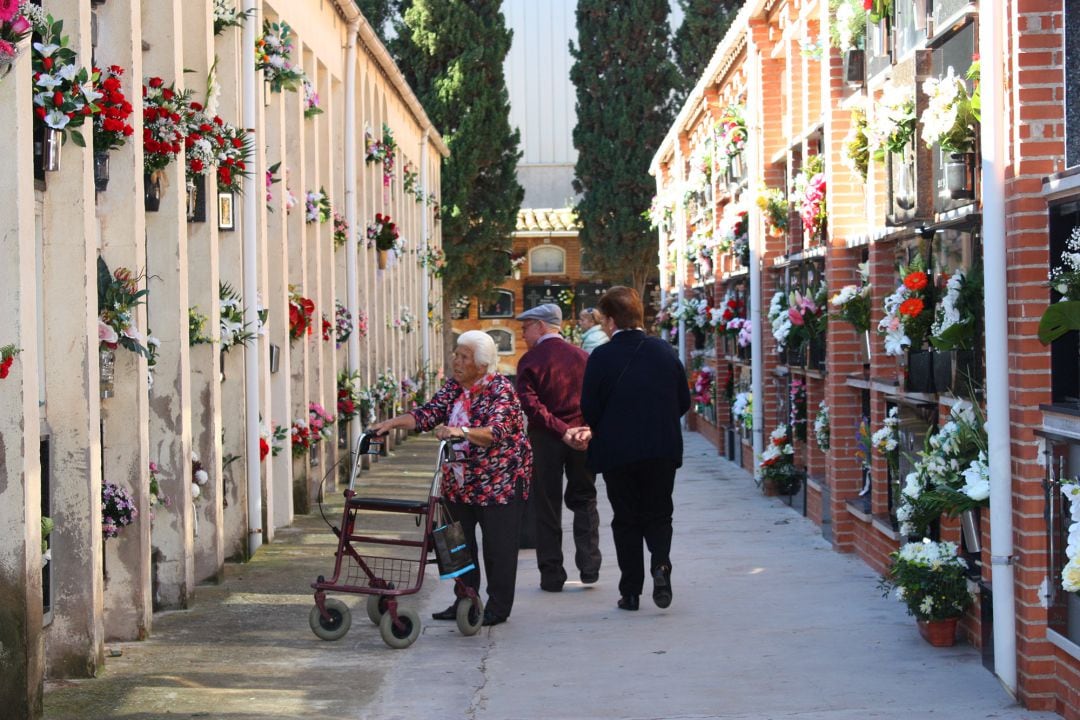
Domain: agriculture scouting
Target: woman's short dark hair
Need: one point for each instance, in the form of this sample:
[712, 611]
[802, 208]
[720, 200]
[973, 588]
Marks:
[623, 306]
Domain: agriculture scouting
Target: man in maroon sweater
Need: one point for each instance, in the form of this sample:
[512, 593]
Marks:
[549, 379]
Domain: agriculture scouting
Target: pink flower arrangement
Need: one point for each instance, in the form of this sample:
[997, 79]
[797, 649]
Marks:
[16, 23]
[813, 206]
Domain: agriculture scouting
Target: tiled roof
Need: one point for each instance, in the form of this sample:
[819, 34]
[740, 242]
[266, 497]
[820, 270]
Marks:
[547, 220]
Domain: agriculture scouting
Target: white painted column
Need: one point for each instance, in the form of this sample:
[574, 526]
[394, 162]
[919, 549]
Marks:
[203, 279]
[126, 448]
[74, 642]
[22, 665]
[170, 397]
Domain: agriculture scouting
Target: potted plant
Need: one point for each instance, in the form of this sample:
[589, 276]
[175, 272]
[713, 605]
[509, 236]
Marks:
[950, 121]
[852, 305]
[906, 324]
[953, 333]
[931, 580]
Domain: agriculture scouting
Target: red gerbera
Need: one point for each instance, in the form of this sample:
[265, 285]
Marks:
[912, 307]
[915, 281]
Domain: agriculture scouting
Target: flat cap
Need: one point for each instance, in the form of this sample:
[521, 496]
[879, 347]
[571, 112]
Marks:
[549, 313]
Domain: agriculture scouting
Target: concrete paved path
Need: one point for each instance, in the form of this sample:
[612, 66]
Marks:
[767, 622]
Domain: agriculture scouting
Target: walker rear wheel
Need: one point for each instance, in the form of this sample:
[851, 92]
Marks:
[400, 637]
[376, 608]
[336, 626]
[470, 616]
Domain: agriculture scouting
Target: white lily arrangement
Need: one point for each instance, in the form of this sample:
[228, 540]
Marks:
[742, 410]
[822, 426]
[1070, 574]
[780, 319]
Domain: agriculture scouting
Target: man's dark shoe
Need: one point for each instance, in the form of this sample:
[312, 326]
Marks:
[661, 593]
[552, 584]
[590, 578]
[491, 619]
[449, 613]
[629, 602]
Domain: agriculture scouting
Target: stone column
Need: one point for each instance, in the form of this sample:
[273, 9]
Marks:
[230, 258]
[128, 602]
[69, 258]
[315, 249]
[167, 310]
[22, 664]
[300, 359]
[203, 279]
[277, 301]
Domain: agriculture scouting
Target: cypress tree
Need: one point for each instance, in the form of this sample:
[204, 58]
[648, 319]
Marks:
[705, 22]
[624, 78]
[452, 54]
[378, 13]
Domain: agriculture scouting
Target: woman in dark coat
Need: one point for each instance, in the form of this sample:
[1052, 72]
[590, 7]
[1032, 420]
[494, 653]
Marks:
[632, 397]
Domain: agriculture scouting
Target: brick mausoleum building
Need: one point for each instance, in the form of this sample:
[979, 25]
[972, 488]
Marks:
[813, 156]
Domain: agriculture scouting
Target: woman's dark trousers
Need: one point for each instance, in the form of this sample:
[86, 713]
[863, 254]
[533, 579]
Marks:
[640, 496]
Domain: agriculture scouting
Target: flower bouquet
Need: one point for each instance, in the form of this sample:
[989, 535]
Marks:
[908, 311]
[808, 197]
[273, 51]
[200, 142]
[797, 408]
[343, 324]
[780, 319]
[117, 509]
[855, 152]
[381, 151]
[848, 28]
[1070, 574]
[409, 181]
[327, 329]
[730, 132]
[822, 428]
[341, 230]
[957, 313]
[775, 207]
[199, 476]
[383, 234]
[951, 115]
[742, 411]
[1062, 316]
[164, 110]
[65, 95]
[301, 315]
[434, 259]
[852, 303]
[197, 328]
[118, 296]
[17, 22]
[320, 423]
[235, 147]
[892, 123]
[227, 15]
[930, 579]
[233, 328]
[311, 99]
[317, 207]
[950, 474]
[777, 463]
[350, 400]
[405, 321]
[702, 391]
[7, 357]
[111, 127]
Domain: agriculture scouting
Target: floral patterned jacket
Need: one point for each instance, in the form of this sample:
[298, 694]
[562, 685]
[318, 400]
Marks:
[492, 473]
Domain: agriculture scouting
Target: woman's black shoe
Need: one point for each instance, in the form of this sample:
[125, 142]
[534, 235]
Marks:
[490, 619]
[661, 593]
[449, 613]
[628, 602]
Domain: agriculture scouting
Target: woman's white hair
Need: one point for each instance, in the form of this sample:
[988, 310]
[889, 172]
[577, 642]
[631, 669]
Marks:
[485, 354]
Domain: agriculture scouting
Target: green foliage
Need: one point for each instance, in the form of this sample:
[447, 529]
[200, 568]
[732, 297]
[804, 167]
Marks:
[1059, 319]
[452, 54]
[705, 22]
[623, 78]
[378, 13]
[930, 579]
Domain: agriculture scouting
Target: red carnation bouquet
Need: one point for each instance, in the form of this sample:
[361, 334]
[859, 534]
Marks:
[111, 126]
[164, 110]
[235, 147]
[301, 315]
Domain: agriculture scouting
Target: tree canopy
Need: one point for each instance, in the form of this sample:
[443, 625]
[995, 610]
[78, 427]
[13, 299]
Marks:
[452, 54]
[623, 77]
[705, 22]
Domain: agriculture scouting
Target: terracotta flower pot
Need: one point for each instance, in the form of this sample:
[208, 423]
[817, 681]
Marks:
[939, 633]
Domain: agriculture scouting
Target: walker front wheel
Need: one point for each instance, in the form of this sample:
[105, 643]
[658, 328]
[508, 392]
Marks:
[404, 633]
[376, 608]
[470, 616]
[336, 626]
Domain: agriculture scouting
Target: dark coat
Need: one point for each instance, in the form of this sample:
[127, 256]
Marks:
[635, 416]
